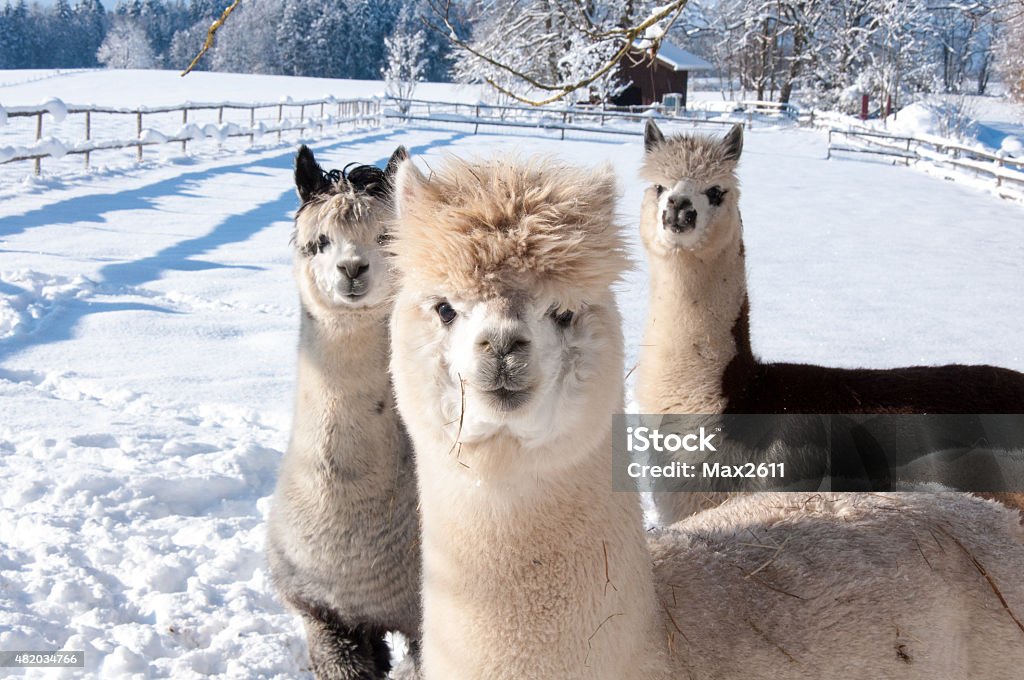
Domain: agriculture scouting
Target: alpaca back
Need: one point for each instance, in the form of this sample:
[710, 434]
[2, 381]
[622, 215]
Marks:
[810, 586]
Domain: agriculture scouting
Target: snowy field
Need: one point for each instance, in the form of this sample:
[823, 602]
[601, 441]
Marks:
[148, 325]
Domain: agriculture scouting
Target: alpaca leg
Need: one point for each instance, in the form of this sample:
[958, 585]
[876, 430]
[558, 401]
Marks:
[341, 652]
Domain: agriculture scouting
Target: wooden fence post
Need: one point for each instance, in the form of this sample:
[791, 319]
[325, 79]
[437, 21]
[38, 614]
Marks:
[252, 125]
[321, 118]
[476, 117]
[302, 119]
[184, 122]
[39, 135]
[138, 136]
[280, 108]
[563, 124]
[88, 135]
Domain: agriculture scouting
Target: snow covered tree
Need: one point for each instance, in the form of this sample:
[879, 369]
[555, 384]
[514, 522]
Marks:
[90, 20]
[406, 64]
[296, 51]
[542, 50]
[249, 44]
[126, 46]
[539, 51]
[1011, 50]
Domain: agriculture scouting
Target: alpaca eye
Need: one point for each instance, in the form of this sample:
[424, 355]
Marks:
[322, 243]
[446, 312]
[383, 239]
[715, 195]
[564, 319]
[660, 189]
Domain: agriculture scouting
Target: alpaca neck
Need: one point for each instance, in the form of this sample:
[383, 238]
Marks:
[697, 324]
[343, 387]
[499, 553]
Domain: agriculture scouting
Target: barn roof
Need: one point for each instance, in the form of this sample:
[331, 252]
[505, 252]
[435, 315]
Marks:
[675, 57]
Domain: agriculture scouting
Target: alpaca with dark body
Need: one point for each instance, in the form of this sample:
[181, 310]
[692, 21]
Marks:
[342, 540]
[697, 356]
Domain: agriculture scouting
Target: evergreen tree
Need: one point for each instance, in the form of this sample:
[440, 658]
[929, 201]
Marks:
[90, 22]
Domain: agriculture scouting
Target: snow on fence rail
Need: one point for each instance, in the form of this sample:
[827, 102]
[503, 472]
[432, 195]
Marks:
[562, 120]
[935, 150]
[342, 111]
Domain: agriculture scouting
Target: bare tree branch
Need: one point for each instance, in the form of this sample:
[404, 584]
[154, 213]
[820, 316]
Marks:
[622, 37]
[210, 35]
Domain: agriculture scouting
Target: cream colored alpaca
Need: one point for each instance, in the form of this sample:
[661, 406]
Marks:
[907, 586]
[507, 359]
[507, 363]
[342, 540]
[697, 357]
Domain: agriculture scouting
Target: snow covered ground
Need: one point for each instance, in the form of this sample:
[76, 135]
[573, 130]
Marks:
[147, 338]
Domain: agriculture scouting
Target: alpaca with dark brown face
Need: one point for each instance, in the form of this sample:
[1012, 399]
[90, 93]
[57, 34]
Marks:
[343, 531]
[697, 356]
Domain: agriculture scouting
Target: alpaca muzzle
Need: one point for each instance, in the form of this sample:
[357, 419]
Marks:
[679, 215]
[502, 368]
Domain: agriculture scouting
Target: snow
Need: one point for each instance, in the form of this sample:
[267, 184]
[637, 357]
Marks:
[57, 109]
[675, 57]
[148, 326]
[163, 88]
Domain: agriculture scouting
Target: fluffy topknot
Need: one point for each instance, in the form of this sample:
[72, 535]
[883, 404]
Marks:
[484, 228]
[702, 157]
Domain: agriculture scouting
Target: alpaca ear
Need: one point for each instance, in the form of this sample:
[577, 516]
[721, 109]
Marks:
[309, 176]
[652, 135]
[409, 182]
[396, 159]
[733, 143]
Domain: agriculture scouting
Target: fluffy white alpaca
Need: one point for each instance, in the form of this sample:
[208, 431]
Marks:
[342, 538]
[507, 363]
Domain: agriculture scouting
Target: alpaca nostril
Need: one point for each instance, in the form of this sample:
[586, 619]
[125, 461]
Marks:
[354, 269]
[690, 216]
[501, 347]
[518, 345]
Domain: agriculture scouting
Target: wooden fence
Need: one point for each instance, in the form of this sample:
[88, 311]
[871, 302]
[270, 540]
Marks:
[323, 113]
[590, 119]
[938, 151]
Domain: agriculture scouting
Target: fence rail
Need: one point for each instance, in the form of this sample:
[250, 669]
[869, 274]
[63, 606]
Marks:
[562, 120]
[323, 113]
[279, 117]
[995, 166]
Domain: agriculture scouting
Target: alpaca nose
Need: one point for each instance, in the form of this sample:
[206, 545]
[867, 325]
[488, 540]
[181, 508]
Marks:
[679, 214]
[502, 343]
[680, 202]
[354, 268]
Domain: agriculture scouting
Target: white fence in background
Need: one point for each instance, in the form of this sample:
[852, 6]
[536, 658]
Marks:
[86, 130]
[937, 151]
[252, 120]
[585, 118]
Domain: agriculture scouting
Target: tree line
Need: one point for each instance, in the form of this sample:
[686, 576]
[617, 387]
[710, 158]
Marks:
[324, 38]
